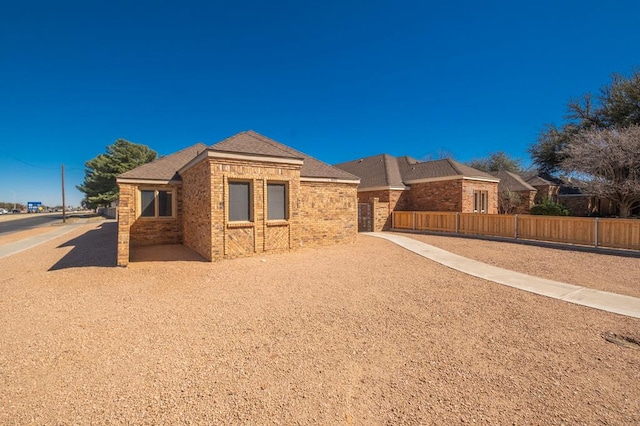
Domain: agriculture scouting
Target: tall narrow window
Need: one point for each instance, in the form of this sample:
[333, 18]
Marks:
[239, 201]
[165, 207]
[148, 199]
[480, 201]
[277, 201]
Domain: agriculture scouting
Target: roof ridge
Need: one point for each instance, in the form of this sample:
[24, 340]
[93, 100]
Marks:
[454, 165]
[387, 176]
[272, 142]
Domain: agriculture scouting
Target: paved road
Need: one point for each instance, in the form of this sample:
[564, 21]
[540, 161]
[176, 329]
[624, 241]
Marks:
[29, 221]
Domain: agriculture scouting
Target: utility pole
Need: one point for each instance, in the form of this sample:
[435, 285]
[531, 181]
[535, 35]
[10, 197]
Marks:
[64, 208]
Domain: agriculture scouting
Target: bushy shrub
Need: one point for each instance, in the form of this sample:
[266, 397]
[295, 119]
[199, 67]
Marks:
[550, 208]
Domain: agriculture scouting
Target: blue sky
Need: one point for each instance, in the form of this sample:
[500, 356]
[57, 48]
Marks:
[337, 80]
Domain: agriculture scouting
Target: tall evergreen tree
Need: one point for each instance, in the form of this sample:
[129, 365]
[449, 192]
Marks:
[99, 186]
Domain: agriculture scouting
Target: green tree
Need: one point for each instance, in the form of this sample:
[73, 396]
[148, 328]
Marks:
[496, 162]
[617, 105]
[99, 186]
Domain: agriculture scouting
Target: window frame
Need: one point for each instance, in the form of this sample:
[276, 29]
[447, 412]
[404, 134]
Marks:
[480, 201]
[250, 213]
[156, 203]
[285, 185]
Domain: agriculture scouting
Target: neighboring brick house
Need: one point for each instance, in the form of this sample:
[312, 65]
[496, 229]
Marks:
[566, 191]
[403, 183]
[515, 196]
[247, 194]
[546, 190]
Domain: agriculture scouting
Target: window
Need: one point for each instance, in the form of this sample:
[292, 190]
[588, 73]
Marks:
[156, 203]
[480, 200]
[240, 202]
[277, 201]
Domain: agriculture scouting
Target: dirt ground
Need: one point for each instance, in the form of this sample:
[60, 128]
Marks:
[367, 333]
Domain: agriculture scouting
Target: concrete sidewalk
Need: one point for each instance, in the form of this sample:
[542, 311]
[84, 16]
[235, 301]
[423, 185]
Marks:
[610, 302]
[27, 243]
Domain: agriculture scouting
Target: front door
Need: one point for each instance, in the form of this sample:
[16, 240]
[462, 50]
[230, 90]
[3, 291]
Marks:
[364, 217]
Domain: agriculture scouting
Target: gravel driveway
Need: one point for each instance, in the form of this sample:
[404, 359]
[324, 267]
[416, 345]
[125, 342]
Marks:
[367, 333]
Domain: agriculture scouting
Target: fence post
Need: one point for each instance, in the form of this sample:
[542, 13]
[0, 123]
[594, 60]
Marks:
[595, 234]
[414, 221]
[516, 226]
[393, 220]
[457, 222]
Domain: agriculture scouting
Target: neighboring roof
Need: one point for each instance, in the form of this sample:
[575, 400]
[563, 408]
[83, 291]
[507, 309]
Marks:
[251, 142]
[165, 168]
[377, 171]
[537, 180]
[567, 185]
[511, 182]
[416, 170]
[386, 171]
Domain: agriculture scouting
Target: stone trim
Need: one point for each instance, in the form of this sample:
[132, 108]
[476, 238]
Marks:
[253, 158]
[328, 180]
[456, 177]
[382, 188]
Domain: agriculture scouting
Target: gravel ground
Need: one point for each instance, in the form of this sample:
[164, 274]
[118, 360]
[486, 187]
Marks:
[367, 333]
[614, 273]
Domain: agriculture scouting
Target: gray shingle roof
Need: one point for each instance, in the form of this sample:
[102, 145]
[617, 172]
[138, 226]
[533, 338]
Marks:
[251, 142]
[388, 171]
[537, 180]
[377, 171]
[248, 142]
[512, 182]
[165, 168]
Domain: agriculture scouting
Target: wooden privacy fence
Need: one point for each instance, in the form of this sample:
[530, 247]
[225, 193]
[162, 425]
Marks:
[611, 233]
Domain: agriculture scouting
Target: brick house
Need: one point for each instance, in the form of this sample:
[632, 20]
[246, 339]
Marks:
[566, 191]
[405, 184]
[515, 195]
[247, 194]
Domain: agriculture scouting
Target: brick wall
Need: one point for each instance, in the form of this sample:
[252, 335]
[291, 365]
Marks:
[126, 216]
[318, 213]
[439, 196]
[469, 186]
[135, 231]
[233, 239]
[197, 210]
[380, 215]
[328, 213]
[546, 192]
[519, 202]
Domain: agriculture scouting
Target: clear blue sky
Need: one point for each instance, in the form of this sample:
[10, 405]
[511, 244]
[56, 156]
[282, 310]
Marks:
[338, 80]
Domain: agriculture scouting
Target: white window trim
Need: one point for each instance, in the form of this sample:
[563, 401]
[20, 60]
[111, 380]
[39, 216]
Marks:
[480, 201]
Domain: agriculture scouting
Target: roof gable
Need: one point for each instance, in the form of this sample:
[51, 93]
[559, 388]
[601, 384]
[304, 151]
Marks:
[386, 171]
[512, 182]
[165, 168]
[379, 171]
[248, 143]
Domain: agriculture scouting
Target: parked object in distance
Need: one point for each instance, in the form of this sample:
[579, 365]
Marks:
[3, 211]
[15, 211]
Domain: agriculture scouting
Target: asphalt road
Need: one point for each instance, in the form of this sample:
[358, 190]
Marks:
[29, 221]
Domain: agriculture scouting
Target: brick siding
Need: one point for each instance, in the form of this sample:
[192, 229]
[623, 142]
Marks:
[319, 213]
[328, 213]
[438, 196]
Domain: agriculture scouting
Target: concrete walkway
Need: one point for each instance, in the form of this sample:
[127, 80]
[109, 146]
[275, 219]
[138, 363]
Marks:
[27, 243]
[610, 302]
